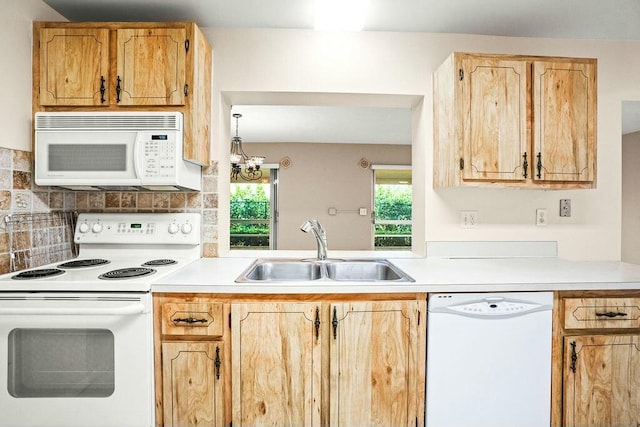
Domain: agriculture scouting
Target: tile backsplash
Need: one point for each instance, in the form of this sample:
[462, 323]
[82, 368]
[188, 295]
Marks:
[20, 195]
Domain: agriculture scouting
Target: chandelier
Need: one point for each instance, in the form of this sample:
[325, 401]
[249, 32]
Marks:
[243, 166]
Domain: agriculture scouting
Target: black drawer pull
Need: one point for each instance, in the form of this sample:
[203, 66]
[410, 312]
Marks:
[611, 314]
[190, 320]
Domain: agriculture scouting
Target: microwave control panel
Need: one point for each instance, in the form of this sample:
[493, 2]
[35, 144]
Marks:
[159, 156]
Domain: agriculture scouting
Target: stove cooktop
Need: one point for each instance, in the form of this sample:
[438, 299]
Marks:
[118, 252]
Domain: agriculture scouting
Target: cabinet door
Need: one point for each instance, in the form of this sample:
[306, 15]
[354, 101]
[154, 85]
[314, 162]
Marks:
[192, 381]
[151, 66]
[374, 364]
[494, 119]
[276, 364]
[564, 128]
[601, 381]
[74, 66]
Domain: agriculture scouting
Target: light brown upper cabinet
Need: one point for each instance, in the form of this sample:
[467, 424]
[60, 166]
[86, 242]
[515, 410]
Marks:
[515, 121]
[126, 65]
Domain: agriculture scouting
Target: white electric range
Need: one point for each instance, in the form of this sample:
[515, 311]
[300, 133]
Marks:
[76, 338]
[117, 252]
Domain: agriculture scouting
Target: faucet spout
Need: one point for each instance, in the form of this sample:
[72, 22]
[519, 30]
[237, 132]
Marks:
[321, 236]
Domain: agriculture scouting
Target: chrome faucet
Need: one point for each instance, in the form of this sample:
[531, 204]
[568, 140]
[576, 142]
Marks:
[321, 236]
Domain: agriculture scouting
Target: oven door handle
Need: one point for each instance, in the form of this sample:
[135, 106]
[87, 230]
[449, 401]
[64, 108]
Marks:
[88, 311]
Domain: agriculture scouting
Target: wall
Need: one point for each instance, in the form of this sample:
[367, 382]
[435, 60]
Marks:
[270, 62]
[15, 68]
[323, 176]
[43, 239]
[18, 192]
[631, 198]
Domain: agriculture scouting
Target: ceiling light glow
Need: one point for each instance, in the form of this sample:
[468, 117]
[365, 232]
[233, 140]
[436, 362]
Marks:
[347, 15]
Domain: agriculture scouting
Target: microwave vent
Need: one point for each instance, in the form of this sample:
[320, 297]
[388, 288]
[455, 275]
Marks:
[110, 121]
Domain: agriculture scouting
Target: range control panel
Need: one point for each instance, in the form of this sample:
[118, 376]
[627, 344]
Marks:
[140, 228]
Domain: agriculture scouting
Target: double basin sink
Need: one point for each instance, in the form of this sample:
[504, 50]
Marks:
[340, 270]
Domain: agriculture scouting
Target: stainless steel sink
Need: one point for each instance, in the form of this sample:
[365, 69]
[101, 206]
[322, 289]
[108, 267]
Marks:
[281, 271]
[347, 270]
[365, 270]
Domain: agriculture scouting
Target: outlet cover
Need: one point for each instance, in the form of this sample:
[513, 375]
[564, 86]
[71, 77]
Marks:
[565, 207]
[541, 217]
[468, 219]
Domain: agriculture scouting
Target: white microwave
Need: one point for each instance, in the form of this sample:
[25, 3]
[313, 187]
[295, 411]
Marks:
[113, 150]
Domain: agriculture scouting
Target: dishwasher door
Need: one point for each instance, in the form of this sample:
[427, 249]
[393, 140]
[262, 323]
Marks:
[489, 360]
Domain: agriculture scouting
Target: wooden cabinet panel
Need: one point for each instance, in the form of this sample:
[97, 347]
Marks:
[192, 380]
[118, 66]
[192, 319]
[564, 100]
[276, 364]
[74, 66]
[601, 313]
[494, 96]
[151, 66]
[374, 377]
[515, 121]
[601, 381]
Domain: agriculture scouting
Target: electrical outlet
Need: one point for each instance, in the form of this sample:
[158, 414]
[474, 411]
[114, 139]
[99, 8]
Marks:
[541, 217]
[468, 219]
[565, 207]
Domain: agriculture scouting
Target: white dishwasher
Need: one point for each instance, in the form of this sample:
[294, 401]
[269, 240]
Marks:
[489, 360]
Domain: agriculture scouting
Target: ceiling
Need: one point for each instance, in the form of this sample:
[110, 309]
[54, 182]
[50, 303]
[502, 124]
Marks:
[575, 19]
[579, 19]
[300, 123]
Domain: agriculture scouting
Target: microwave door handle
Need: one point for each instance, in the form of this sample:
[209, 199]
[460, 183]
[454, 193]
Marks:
[138, 155]
[86, 311]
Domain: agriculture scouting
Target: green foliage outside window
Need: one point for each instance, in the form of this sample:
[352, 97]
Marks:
[250, 217]
[251, 213]
[393, 203]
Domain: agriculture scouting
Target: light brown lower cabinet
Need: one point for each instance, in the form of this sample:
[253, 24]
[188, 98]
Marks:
[192, 382]
[601, 381]
[191, 360]
[328, 363]
[600, 361]
[276, 364]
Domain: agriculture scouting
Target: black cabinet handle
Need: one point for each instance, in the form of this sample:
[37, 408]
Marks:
[316, 323]
[190, 320]
[334, 323]
[539, 165]
[574, 357]
[118, 88]
[217, 363]
[611, 314]
[102, 90]
[525, 165]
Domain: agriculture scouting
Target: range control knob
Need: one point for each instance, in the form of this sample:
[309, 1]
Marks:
[173, 228]
[97, 228]
[186, 228]
[83, 228]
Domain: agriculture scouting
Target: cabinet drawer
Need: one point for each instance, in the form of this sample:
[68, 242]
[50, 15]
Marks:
[192, 319]
[601, 313]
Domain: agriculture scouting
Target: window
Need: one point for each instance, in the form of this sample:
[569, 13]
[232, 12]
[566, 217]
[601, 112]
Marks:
[392, 207]
[253, 204]
[61, 363]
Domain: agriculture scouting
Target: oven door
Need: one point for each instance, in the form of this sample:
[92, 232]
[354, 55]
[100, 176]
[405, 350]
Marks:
[76, 360]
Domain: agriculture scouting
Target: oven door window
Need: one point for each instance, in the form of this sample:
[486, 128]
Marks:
[61, 363]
